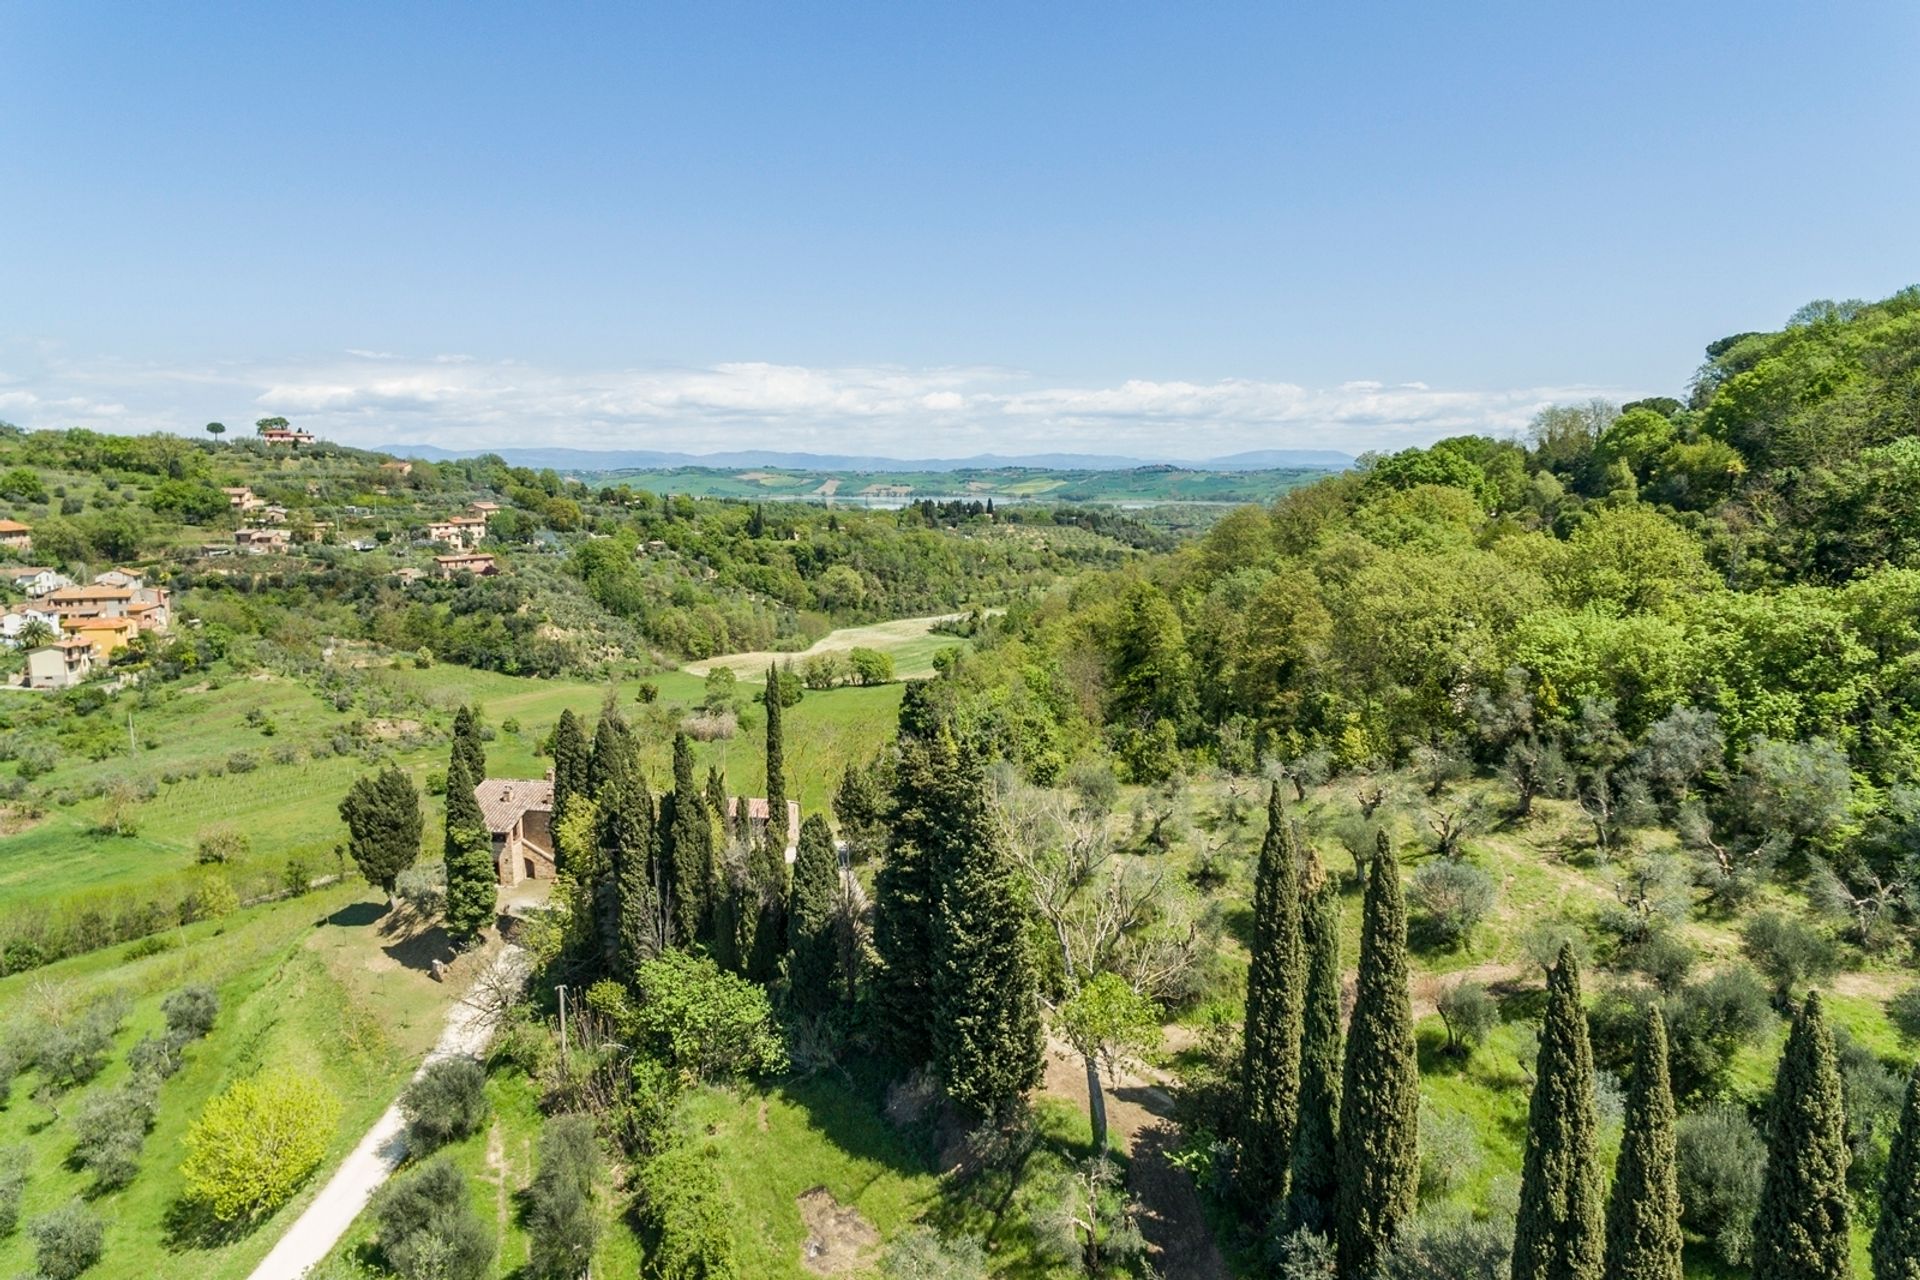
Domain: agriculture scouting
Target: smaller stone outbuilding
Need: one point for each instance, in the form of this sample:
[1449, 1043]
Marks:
[519, 814]
[757, 815]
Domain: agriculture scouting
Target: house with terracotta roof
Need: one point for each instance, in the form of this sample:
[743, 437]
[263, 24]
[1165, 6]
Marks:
[484, 509]
[462, 533]
[241, 498]
[106, 635]
[286, 436]
[94, 600]
[16, 535]
[519, 814]
[60, 665]
[480, 565]
[259, 541]
[758, 814]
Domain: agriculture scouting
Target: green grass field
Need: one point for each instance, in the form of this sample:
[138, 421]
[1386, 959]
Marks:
[304, 985]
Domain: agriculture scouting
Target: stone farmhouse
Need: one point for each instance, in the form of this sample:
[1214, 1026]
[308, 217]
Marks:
[478, 564]
[757, 821]
[16, 535]
[519, 814]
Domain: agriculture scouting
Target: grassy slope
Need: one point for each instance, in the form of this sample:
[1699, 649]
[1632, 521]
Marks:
[304, 985]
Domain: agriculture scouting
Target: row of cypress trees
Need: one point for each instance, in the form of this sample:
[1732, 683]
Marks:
[955, 988]
[1341, 1158]
[1328, 1134]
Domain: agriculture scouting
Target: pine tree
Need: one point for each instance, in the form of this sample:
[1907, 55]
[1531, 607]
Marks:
[570, 754]
[1276, 990]
[1561, 1230]
[1313, 1186]
[468, 853]
[987, 1039]
[1800, 1232]
[466, 743]
[1896, 1240]
[903, 887]
[629, 913]
[689, 853]
[1377, 1156]
[776, 760]
[813, 957]
[614, 755]
[1643, 1217]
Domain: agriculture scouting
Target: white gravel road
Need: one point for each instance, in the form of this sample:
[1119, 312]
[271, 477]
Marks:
[315, 1232]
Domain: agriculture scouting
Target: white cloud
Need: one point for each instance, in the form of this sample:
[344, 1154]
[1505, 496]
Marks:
[368, 397]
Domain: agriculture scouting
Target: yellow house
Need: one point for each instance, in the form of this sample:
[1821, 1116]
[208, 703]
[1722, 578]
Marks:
[105, 634]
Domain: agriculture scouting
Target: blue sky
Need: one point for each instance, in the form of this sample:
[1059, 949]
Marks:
[1173, 230]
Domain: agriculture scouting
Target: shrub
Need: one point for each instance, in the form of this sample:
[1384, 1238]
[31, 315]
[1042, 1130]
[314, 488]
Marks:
[242, 762]
[711, 726]
[1470, 1014]
[445, 1104]
[706, 1022]
[1790, 952]
[73, 1052]
[66, 1241]
[296, 876]
[1721, 1160]
[687, 1213]
[560, 1220]
[37, 760]
[157, 1056]
[1447, 899]
[921, 1253]
[111, 1127]
[256, 1142]
[1451, 1247]
[13, 1184]
[214, 898]
[151, 945]
[1450, 1152]
[190, 1011]
[427, 1226]
[1904, 1009]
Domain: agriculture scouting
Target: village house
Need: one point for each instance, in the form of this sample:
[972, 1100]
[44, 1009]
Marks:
[485, 510]
[259, 541]
[243, 499]
[37, 581]
[519, 814]
[271, 513]
[106, 635]
[398, 468]
[283, 435]
[60, 665]
[94, 600]
[407, 575]
[757, 814]
[17, 617]
[481, 566]
[462, 533]
[16, 535]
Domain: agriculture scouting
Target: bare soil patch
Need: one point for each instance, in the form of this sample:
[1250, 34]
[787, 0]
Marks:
[839, 1240]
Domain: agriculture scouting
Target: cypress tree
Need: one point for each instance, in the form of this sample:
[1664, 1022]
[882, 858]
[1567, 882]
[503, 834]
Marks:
[1276, 990]
[1313, 1185]
[690, 858]
[468, 853]
[627, 839]
[776, 761]
[1800, 1231]
[717, 798]
[903, 887]
[1377, 1156]
[466, 743]
[1896, 1240]
[987, 1040]
[765, 902]
[813, 956]
[1561, 1230]
[382, 813]
[614, 755]
[569, 763]
[1643, 1217]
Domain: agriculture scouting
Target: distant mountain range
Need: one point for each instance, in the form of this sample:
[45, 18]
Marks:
[621, 459]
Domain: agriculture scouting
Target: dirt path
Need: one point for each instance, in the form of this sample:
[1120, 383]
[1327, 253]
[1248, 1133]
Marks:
[888, 637]
[1140, 1114]
[315, 1232]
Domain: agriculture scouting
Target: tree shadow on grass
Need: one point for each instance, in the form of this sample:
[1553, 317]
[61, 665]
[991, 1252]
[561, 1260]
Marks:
[357, 915]
[419, 950]
[190, 1224]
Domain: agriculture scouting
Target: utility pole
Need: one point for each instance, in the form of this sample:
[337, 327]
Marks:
[561, 991]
